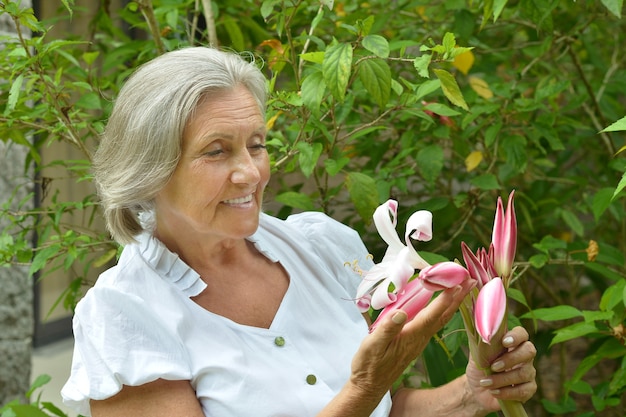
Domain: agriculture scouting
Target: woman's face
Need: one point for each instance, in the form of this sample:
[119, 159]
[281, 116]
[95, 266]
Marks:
[216, 190]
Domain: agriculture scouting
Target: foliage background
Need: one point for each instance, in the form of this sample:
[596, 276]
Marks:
[376, 100]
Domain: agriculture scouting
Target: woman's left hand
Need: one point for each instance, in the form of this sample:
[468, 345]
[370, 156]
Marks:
[513, 373]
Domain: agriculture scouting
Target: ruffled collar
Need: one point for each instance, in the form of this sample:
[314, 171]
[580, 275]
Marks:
[173, 269]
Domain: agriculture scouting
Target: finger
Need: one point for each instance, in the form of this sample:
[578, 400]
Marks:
[521, 375]
[389, 328]
[514, 337]
[434, 316]
[524, 353]
[521, 392]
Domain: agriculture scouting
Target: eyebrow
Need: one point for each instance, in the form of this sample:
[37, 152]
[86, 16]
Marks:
[222, 135]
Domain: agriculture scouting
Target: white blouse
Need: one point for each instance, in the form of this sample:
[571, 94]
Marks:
[138, 324]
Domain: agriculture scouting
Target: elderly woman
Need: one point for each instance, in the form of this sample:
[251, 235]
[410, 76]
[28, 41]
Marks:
[216, 309]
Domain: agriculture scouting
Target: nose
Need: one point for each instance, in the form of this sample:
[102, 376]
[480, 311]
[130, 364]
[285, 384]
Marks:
[245, 170]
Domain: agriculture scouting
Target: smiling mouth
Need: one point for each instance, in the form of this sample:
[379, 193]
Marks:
[241, 200]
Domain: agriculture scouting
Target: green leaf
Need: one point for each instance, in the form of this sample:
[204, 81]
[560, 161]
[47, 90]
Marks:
[89, 101]
[48, 406]
[538, 261]
[68, 5]
[614, 6]
[363, 193]
[377, 45]
[308, 156]
[514, 147]
[376, 78]
[486, 182]
[548, 243]
[296, 200]
[601, 201]
[613, 296]
[620, 186]
[450, 88]
[517, 295]
[421, 64]
[316, 57]
[604, 271]
[23, 410]
[619, 125]
[14, 94]
[610, 349]
[449, 41]
[312, 91]
[572, 332]
[573, 222]
[594, 315]
[487, 12]
[267, 7]
[333, 167]
[337, 67]
[426, 88]
[441, 109]
[365, 26]
[90, 57]
[234, 33]
[498, 6]
[430, 162]
[562, 312]
[39, 382]
[43, 256]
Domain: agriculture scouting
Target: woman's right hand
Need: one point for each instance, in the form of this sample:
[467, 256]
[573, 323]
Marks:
[394, 344]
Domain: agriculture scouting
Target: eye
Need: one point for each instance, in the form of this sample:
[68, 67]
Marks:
[214, 152]
[257, 145]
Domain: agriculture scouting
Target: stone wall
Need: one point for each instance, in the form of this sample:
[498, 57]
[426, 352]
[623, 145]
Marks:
[16, 288]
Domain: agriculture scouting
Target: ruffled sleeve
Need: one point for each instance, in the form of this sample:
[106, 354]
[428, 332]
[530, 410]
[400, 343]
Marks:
[338, 245]
[120, 341]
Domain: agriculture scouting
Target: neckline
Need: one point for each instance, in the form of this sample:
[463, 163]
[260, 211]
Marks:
[174, 270]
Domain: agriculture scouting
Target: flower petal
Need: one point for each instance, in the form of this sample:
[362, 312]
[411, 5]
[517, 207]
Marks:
[490, 309]
[385, 218]
[443, 275]
[419, 226]
[474, 266]
[504, 237]
[411, 300]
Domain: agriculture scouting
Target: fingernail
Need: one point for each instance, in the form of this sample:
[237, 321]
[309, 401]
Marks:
[486, 382]
[399, 317]
[507, 341]
[495, 391]
[497, 366]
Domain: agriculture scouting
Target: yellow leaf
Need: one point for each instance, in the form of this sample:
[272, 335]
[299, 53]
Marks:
[464, 62]
[473, 160]
[270, 123]
[421, 10]
[481, 87]
[105, 258]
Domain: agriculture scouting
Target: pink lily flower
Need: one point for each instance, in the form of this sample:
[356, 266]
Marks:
[400, 260]
[504, 238]
[443, 275]
[412, 299]
[490, 309]
[476, 266]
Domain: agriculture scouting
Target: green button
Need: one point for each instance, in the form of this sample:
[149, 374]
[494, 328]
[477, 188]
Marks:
[279, 341]
[311, 379]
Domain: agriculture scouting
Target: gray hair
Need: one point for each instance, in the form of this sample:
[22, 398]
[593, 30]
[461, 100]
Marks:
[142, 142]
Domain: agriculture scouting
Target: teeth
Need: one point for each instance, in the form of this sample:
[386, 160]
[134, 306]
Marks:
[241, 200]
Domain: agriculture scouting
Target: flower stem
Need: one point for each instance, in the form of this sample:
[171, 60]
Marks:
[512, 408]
